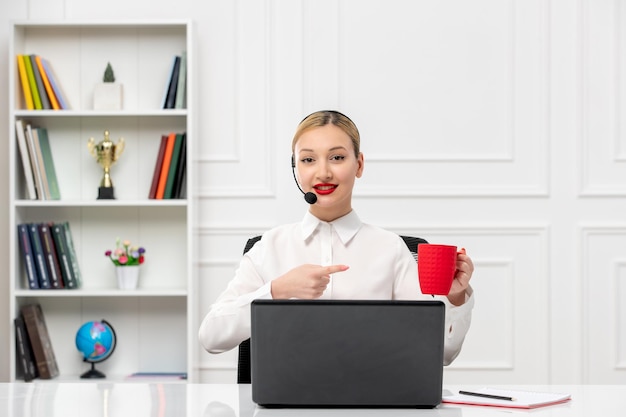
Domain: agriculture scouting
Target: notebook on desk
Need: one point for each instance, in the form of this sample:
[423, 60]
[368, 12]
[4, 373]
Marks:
[336, 353]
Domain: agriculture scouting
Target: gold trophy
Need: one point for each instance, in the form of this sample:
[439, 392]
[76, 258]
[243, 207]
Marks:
[106, 153]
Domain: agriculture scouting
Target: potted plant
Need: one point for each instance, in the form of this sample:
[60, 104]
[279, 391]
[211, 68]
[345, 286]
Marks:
[107, 95]
[127, 259]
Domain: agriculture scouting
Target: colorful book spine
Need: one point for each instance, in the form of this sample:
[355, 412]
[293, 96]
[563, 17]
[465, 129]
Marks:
[167, 159]
[157, 168]
[25, 156]
[182, 193]
[31, 81]
[48, 163]
[45, 102]
[63, 254]
[54, 83]
[181, 95]
[25, 358]
[72, 253]
[40, 164]
[40, 259]
[46, 83]
[28, 95]
[50, 253]
[169, 82]
[170, 102]
[32, 152]
[26, 249]
[171, 174]
[40, 341]
[181, 169]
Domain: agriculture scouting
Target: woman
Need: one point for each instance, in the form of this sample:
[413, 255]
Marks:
[330, 254]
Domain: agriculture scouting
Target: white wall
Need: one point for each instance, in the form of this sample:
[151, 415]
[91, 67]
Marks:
[494, 125]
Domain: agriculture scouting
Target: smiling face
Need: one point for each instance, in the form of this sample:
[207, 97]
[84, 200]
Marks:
[327, 166]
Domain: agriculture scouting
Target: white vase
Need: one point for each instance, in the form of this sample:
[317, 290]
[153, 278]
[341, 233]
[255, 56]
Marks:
[127, 277]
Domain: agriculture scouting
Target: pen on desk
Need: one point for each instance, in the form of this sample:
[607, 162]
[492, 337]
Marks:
[493, 397]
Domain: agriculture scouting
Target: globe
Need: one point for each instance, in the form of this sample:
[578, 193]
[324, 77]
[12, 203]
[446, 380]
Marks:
[95, 340]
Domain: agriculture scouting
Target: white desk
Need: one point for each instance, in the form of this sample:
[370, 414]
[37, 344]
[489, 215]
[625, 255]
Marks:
[64, 399]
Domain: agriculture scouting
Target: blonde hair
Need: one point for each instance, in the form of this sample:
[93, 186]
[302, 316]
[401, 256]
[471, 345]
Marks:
[325, 117]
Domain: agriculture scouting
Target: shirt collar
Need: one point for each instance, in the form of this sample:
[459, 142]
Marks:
[346, 226]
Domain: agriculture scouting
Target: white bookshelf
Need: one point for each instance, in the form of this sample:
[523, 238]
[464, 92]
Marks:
[153, 323]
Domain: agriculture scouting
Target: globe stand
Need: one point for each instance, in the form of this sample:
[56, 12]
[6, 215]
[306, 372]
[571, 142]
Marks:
[93, 373]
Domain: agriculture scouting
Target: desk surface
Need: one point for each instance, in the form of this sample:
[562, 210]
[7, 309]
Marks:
[85, 399]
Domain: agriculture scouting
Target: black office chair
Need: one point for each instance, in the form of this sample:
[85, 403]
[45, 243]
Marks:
[243, 360]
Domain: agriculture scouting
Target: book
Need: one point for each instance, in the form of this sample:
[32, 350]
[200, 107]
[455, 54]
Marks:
[170, 100]
[48, 163]
[39, 256]
[40, 164]
[41, 195]
[40, 340]
[516, 398]
[181, 88]
[54, 83]
[43, 96]
[25, 157]
[157, 168]
[182, 193]
[26, 364]
[167, 159]
[167, 84]
[63, 255]
[28, 65]
[50, 253]
[72, 253]
[26, 249]
[181, 169]
[46, 83]
[28, 96]
[171, 173]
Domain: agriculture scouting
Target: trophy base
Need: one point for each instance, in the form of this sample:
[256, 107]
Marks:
[105, 193]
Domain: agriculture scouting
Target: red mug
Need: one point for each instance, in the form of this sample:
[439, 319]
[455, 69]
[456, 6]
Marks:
[436, 267]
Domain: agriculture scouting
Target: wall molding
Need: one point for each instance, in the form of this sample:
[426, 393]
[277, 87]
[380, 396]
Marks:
[600, 99]
[597, 282]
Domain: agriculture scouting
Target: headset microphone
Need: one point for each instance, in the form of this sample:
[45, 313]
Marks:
[309, 197]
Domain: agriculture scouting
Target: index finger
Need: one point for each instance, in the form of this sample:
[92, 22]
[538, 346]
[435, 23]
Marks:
[331, 269]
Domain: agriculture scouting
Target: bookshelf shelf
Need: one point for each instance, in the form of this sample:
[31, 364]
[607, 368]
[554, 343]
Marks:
[27, 114]
[164, 292]
[153, 322]
[101, 203]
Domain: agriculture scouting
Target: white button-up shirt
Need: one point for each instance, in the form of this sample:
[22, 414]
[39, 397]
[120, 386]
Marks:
[381, 268]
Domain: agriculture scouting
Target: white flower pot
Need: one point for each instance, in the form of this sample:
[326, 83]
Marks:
[107, 96]
[127, 277]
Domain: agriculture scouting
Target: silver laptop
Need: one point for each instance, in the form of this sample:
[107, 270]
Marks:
[347, 353]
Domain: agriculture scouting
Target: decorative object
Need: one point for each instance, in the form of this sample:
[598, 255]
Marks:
[127, 277]
[108, 94]
[106, 153]
[96, 340]
[125, 254]
[127, 260]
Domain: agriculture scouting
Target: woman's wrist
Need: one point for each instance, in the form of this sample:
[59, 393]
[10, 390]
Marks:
[457, 299]
[277, 290]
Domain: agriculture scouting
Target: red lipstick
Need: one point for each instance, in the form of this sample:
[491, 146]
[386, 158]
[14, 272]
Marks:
[324, 189]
